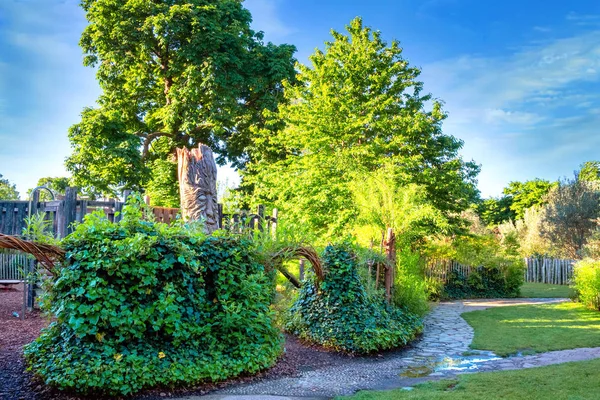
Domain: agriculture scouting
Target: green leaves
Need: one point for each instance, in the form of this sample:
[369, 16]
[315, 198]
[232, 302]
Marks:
[358, 107]
[173, 74]
[142, 304]
[8, 191]
[341, 315]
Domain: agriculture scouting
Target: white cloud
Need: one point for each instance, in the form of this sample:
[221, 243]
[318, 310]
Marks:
[266, 18]
[528, 114]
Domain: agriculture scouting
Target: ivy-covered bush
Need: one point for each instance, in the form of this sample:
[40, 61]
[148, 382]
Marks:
[339, 314]
[586, 281]
[142, 304]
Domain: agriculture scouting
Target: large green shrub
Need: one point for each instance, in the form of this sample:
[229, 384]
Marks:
[338, 313]
[410, 286]
[586, 282]
[142, 304]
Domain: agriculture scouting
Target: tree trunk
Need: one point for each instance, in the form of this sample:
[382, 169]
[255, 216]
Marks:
[197, 173]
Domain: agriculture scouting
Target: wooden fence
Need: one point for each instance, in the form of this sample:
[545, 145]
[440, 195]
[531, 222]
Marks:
[62, 213]
[549, 270]
[542, 270]
[441, 269]
[13, 265]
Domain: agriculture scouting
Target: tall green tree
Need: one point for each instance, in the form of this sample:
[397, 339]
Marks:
[589, 171]
[58, 186]
[358, 107]
[494, 211]
[8, 191]
[527, 194]
[173, 73]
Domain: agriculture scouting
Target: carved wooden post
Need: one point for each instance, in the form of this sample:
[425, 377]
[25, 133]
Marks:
[197, 174]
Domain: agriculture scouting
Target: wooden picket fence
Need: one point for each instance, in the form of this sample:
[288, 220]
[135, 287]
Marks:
[441, 269]
[13, 265]
[549, 270]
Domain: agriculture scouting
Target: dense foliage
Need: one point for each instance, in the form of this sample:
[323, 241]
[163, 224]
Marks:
[586, 281]
[8, 191]
[518, 197]
[571, 217]
[358, 107]
[338, 313]
[589, 171]
[142, 304]
[173, 74]
[496, 269]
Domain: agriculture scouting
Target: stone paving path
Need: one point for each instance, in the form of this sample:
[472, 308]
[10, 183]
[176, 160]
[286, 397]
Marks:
[442, 352]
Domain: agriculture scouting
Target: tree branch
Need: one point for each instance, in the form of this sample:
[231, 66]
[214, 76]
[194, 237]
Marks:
[148, 138]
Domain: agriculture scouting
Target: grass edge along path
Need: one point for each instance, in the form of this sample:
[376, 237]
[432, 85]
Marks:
[545, 290]
[573, 380]
[533, 329]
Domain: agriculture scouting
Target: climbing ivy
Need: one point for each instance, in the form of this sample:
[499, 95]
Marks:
[140, 304]
[338, 313]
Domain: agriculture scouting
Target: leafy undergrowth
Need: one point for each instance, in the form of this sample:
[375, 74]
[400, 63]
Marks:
[545, 290]
[576, 380]
[142, 304]
[339, 314]
[534, 328]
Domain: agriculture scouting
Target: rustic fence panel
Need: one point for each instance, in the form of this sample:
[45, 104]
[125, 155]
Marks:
[13, 266]
[441, 269]
[549, 270]
[62, 213]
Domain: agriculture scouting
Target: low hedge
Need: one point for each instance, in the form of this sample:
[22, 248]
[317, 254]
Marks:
[484, 282]
[142, 304]
[339, 314]
[586, 281]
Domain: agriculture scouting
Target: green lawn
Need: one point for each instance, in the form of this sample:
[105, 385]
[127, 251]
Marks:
[537, 290]
[534, 328]
[577, 380]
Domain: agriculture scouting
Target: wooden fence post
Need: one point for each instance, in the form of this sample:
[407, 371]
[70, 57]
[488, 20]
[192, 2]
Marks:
[69, 210]
[220, 217]
[274, 223]
[260, 211]
[390, 253]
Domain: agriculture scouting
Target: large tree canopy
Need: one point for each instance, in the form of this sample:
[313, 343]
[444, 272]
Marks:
[518, 197]
[173, 73]
[8, 191]
[359, 107]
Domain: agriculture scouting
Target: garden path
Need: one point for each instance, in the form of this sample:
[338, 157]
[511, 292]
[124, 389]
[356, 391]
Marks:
[442, 352]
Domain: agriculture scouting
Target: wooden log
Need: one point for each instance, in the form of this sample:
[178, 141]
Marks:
[197, 173]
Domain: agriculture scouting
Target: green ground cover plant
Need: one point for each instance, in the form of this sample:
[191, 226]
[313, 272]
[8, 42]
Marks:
[338, 313]
[546, 290]
[142, 304]
[575, 380]
[534, 328]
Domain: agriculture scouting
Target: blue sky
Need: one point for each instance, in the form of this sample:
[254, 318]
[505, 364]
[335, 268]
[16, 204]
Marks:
[520, 79]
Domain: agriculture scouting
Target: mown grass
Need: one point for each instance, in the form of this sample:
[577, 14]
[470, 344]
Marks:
[534, 328]
[577, 380]
[542, 290]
